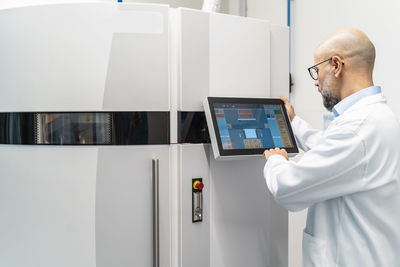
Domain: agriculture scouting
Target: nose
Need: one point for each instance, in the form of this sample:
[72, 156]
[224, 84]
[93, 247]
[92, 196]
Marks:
[316, 83]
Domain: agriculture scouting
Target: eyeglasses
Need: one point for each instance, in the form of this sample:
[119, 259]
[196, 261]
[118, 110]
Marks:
[314, 70]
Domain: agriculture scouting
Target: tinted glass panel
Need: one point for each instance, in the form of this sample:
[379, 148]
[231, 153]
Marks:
[141, 128]
[73, 128]
[85, 128]
[17, 128]
[192, 127]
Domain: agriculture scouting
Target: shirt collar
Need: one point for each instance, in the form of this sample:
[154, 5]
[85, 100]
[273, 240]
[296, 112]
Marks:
[347, 102]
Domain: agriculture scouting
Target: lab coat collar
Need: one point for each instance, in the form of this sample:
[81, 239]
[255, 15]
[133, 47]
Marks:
[349, 101]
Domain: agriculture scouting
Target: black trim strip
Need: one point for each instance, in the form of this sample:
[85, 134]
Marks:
[85, 128]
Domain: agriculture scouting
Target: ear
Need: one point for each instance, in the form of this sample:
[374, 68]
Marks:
[337, 64]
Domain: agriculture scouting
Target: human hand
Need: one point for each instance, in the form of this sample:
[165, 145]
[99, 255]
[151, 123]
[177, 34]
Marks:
[275, 151]
[289, 108]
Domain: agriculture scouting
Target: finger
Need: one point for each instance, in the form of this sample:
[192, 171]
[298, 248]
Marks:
[286, 102]
[284, 99]
[284, 153]
[289, 107]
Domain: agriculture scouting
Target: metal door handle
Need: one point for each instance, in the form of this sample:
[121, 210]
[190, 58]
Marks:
[156, 221]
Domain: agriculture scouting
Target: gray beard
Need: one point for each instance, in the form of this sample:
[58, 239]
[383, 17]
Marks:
[329, 100]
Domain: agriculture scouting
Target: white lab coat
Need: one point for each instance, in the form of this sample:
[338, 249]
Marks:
[349, 181]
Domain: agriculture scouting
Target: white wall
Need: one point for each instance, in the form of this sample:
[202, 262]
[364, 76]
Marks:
[313, 20]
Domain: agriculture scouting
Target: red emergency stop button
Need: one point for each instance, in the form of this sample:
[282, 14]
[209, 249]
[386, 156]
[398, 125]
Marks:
[198, 185]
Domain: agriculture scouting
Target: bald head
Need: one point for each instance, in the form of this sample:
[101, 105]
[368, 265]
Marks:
[352, 45]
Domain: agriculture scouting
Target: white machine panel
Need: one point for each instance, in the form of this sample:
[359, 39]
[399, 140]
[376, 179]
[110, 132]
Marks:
[194, 71]
[81, 206]
[239, 56]
[279, 61]
[91, 206]
[138, 68]
[240, 230]
[195, 237]
[84, 56]
[124, 209]
[47, 203]
[221, 55]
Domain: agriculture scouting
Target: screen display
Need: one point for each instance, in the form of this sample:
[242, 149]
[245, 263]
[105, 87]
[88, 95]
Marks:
[249, 126]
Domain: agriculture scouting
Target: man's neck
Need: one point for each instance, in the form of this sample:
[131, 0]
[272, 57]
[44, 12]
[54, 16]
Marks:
[355, 85]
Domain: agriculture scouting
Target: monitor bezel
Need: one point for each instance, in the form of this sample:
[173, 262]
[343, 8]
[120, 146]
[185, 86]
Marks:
[253, 151]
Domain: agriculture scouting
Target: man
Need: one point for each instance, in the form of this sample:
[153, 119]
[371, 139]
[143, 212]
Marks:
[348, 178]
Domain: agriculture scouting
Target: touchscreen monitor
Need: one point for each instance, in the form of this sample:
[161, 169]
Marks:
[248, 126]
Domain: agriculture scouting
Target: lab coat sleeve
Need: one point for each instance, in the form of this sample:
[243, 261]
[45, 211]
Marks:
[306, 136]
[333, 168]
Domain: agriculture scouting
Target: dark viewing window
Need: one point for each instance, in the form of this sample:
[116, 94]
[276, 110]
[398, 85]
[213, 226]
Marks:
[73, 128]
[192, 127]
[85, 128]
